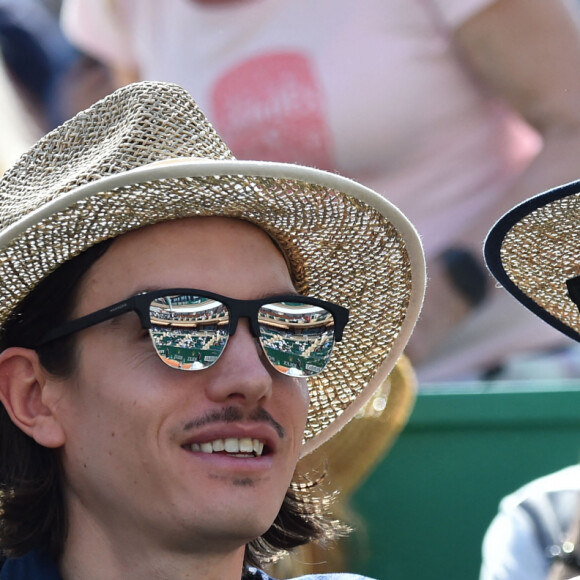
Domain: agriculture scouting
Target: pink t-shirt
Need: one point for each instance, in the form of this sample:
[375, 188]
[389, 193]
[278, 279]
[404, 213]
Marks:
[372, 90]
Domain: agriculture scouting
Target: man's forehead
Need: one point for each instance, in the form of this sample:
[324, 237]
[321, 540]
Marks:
[210, 253]
[202, 224]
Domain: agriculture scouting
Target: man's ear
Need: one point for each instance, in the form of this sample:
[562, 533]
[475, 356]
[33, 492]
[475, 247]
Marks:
[27, 393]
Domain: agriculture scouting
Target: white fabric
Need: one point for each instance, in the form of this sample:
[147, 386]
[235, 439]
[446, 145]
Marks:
[374, 92]
[455, 12]
[511, 550]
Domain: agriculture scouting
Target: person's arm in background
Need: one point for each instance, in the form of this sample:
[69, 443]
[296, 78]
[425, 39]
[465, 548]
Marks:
[527, 52]
[531, 520]
[510, 550]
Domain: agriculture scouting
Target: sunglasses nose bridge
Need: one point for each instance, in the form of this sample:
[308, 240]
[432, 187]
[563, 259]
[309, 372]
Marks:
[250, 313]
[247, 310]
[252, 317]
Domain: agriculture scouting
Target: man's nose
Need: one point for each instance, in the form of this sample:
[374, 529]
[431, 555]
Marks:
[242, 371]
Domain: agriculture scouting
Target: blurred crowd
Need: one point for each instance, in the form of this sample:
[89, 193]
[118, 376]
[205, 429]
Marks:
[455, 110]
[44, 79]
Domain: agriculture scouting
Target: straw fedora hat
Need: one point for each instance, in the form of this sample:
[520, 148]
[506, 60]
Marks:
[533, 251]
[147, 154]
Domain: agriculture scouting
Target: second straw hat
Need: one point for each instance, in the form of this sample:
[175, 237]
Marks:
[534, 250]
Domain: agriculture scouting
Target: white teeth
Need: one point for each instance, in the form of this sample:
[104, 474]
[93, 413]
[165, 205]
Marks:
[258, 447]
[246, 445]
[219, 445]
[206, 447]
[232, 445]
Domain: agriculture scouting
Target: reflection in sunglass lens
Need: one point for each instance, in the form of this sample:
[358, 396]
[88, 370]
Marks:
[296, 337]
[189, 332]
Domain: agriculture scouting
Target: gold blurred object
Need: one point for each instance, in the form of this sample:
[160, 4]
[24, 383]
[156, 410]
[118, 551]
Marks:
[347, 459]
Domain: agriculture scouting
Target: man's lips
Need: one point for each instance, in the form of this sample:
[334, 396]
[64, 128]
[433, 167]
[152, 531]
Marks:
[231, 432]
[233, 414]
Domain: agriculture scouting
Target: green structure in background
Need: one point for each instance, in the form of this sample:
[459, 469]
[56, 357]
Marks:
[428, 504]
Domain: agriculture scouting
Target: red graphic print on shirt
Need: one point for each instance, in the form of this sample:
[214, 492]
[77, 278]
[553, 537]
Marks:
[271, 108]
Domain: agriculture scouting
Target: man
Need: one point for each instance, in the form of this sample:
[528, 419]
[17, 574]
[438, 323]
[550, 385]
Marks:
[533, 252]
[174, 338]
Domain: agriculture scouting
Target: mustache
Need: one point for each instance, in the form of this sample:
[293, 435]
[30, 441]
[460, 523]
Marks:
[232, 415]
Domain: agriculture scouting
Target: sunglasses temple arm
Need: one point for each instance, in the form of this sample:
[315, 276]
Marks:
[341, 320]
[79, 324]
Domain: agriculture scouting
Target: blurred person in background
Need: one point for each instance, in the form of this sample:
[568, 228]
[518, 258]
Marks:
[451, 108]
[37, 56]
[52, 79]
[19, 129]
[528, 535]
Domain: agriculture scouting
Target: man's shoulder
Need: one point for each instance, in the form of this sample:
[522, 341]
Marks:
[333, 577]
[32, 566]
[259, 575]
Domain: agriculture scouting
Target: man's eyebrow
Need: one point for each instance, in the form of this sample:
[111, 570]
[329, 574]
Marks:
[263, 295]
[146, 289]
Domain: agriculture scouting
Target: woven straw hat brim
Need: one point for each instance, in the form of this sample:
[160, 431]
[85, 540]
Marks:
[351, 456]
[534, 248]
[146, 154]
[344, 243]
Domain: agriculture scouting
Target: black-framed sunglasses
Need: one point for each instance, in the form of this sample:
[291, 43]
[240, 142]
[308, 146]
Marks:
[190, 328]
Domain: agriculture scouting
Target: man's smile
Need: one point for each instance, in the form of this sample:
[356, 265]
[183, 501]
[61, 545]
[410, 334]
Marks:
[239, 447]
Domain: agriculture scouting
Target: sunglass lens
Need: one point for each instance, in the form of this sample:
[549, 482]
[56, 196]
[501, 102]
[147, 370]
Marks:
[189, 332]
[297, 337]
